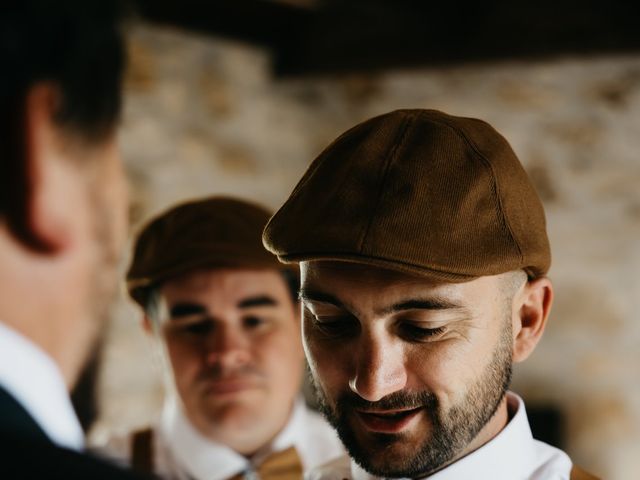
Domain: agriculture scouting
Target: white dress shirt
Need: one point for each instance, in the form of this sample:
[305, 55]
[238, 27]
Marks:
[182, 453]
[34, 380]
[513, 454]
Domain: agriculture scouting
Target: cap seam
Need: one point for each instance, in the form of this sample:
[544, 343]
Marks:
[495, 184]
[392, 155]
[342, 255]
[308, 174]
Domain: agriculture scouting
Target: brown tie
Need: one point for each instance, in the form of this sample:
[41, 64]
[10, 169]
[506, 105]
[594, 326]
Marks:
[578, 474]
[283, 465]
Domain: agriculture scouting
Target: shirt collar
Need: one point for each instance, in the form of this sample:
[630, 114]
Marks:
[504, 457]
[35, 381]
[203, 458]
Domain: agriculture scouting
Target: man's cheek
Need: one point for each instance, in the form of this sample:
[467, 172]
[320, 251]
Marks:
[312, 349]
[329, 374]
[318, 356]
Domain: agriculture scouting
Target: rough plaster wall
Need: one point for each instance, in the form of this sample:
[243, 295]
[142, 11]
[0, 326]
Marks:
[205, 116]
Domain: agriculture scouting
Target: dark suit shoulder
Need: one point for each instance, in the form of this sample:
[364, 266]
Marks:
[26, 451]
[26, 458]
[16, 420]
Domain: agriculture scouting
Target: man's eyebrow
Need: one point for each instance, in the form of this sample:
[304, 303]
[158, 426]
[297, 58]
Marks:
[258, 301]
[307, 295]
[433, 303]
[185, 309]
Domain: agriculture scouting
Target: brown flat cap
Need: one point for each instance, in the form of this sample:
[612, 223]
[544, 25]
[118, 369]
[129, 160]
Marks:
[212, 232]
[418, 191]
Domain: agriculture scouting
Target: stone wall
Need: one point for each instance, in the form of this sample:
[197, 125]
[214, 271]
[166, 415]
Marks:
[206, 116]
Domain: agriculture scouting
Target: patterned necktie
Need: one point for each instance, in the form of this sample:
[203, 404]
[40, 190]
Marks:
[283, 465]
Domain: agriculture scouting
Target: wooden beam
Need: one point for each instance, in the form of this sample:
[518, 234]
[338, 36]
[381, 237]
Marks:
[379, 34]
[260, 22]
[335, 36]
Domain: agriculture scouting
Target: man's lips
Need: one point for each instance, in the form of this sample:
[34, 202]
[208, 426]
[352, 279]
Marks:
[229, 386]
[387, 421]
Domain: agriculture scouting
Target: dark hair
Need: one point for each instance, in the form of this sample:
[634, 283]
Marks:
[77, 46]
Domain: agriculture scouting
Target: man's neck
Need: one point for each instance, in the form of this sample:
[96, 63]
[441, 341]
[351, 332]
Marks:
[33, 303]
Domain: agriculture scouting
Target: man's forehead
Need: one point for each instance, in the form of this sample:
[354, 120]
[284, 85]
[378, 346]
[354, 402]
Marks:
[315, 271]
[331, 277]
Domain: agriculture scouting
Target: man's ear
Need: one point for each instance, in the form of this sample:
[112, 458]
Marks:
[31, 217]
[530, 318]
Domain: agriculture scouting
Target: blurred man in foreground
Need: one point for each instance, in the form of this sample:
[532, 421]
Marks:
[227, 312]
[423, 253]
[62, 222]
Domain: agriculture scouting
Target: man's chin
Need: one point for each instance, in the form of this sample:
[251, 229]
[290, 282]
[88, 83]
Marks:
[232, 411]
[383, 454]
[394, 462]
[387, 457]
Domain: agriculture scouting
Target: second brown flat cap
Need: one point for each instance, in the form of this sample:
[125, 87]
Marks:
[208, 232]
[418, 191]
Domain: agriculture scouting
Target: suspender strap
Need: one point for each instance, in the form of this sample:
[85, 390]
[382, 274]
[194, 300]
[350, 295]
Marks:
[142, 451]
[578, 474]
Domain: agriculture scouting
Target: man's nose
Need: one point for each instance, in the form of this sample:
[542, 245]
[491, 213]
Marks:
[228, 348]
[379, 368]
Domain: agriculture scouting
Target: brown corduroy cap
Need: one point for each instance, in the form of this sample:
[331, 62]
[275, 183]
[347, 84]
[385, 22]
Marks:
[212, 232]
[418, 191]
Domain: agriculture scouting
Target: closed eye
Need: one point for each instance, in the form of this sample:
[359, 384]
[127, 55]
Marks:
[414, 333]
[196, 328]
[337, 328]
[334, 326]
[252, 322]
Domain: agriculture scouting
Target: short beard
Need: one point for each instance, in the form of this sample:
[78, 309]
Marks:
[452, 431]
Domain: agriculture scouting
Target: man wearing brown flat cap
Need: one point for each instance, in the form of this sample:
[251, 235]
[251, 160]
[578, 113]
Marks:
[423, 255]
[227, 312]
